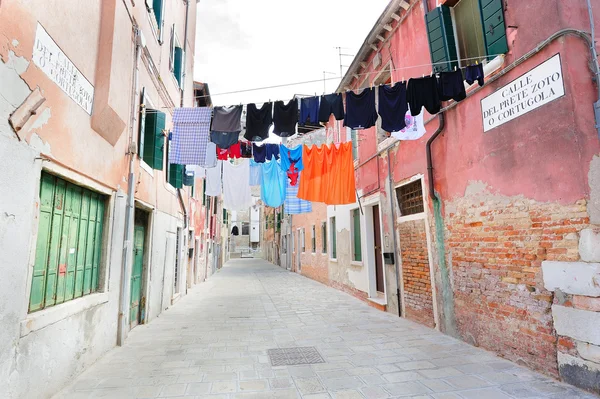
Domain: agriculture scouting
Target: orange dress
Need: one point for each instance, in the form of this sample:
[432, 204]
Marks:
[328, 175]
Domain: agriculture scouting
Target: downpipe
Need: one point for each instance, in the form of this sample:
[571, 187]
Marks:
[185, 35]
[596, 66]
[393, 210]
[130, 208]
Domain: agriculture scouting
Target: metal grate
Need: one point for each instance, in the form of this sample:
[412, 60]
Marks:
[294, 356]
[410, 198]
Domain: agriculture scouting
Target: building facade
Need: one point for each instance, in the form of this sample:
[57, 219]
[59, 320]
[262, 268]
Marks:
[101, 233]
[486, 227]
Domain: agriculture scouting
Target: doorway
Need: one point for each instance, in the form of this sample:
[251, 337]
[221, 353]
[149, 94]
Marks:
[377, 239]
[135, 308]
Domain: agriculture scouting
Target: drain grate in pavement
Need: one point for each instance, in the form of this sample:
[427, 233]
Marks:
[295, 356]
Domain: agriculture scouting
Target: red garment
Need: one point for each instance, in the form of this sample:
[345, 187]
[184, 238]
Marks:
[232, 152]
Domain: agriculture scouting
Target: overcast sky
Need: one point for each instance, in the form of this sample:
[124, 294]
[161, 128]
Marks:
[246, 44]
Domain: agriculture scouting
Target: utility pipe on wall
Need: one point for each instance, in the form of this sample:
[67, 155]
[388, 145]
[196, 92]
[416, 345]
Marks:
[130, 209]
[392, 208]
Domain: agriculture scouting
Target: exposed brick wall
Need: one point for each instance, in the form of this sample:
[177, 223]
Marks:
[418, 299]
[495, 247]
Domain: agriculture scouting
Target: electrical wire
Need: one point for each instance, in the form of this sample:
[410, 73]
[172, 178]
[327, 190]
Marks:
[337, 77]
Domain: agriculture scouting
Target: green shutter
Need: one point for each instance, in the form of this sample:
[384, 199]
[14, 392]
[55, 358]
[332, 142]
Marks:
[204, 191]
[142, 124]
[90, 242]
[333, 239]
[36, 299]
[176, 175]
[442, 44]
[63, 234]
[157, 6]
[73, 234]
[97, 245]
[356, 233]
[494, 28]
[154, 143]
[178, 68]
[225, 216]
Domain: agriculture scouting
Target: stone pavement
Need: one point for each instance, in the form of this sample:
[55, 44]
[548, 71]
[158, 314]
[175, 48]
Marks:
[214, 344]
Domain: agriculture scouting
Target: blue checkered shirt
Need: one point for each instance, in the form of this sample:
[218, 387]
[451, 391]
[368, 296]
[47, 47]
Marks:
[294, 205]
[190, 136]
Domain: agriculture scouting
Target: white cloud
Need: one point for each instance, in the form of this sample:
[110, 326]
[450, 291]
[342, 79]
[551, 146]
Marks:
[242, 44]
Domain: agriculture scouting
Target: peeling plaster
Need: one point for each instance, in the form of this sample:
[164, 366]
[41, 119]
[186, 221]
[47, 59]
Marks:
[15, 43]
[593, 206]
[14, 89]
[38, 144]
[42, 119]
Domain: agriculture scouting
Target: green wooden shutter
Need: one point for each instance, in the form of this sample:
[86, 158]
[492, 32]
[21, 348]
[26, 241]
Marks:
[157, 6]
[154, 142]
[494, 28]
[442, 44]
[224, 216]
[36, 299]
[70, 219]
[142, 123]
[204, 191]
[72, 246]
[356, 233]
[178, 68]
[333, 239]
[176, 175]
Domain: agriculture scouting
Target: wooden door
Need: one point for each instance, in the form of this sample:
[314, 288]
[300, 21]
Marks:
[136, 276]
[378, 261]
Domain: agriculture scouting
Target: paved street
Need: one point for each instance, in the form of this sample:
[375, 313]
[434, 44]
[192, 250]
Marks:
[214, 344]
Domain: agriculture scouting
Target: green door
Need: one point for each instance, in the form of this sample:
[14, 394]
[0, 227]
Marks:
[136, 276]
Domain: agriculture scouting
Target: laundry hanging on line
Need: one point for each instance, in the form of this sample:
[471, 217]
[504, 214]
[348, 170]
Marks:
[291, 162]
[236, 190]
[258, 121]
[262, 153]
[328, 174]
[360, 109]
[285, 118]
[273, 185]
[214, 180]
[294, 205]
[190, 136]
[255, 173]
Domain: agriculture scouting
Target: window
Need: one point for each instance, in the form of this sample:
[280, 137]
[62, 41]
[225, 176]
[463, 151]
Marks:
[324, 237]
[176, 57]
[333, 239]
[175, 172]
[188, 179]
[303, 238]
[157, 9]
[151, 139]
[465, 32]
[225, 221]
[410, 198]
[245, 228]
[314, 239]
[356, 242]
[69, 243]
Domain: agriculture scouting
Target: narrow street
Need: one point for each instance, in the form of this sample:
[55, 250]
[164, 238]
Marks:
[214, 343]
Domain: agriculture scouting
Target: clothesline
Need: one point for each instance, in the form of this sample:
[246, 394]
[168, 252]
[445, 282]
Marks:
[337, 77]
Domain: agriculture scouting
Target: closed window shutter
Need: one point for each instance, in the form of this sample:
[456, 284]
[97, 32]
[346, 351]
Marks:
[494, 28]
[176, 175]
[154, 142]
[442, 44]
[142, 123]
[157, 6]
[178, 68]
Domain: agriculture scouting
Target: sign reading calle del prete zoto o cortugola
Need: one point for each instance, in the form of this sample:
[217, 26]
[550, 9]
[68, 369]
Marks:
[537, 87]
[58, 67]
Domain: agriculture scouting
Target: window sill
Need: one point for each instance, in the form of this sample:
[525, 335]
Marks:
[43, 318]
[333, 260]
[356, 263]
[488, 69]
[146, 167]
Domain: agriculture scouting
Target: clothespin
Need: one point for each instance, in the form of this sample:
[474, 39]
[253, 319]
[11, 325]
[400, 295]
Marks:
[454, 68]
[476, 62]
